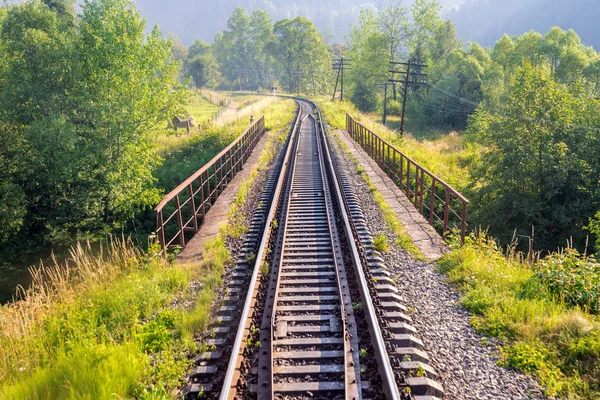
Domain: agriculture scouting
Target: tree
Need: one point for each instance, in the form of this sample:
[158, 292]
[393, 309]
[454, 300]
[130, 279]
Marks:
[370, 56]
[80, 102]
[231, 49]
[457, 95]
[62, 7]
[241, 49]
[198, 48]
[178, 50]
[300, 51]
[540, 167]
[204, 70]
[426, 20]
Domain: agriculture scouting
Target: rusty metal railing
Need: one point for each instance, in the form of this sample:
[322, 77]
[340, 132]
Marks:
[182, 211]
[443, 206]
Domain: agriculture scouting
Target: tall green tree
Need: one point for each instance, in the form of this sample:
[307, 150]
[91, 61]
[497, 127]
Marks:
[204, 70]
[540, 168]
[301, 53]
[83, 98]
[426, 21]
[198, 48]
[241, 50]
[370, 56]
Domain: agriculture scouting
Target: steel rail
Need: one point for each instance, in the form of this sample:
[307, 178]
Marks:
[350, 377]
[389, 385]
[236, 348]
[383, 361]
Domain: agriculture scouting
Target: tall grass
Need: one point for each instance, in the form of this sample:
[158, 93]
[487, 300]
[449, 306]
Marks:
[110, 323]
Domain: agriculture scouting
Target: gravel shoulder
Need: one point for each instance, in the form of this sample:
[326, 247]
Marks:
[465, 360]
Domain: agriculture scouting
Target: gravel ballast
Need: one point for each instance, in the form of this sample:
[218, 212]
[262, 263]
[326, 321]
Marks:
[464, 360]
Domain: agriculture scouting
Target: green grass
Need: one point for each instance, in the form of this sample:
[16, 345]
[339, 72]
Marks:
[200, 108]
[547, 337]
[105, 326]
[186, 154]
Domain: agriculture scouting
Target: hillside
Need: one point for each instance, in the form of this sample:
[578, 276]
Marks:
[514, 17]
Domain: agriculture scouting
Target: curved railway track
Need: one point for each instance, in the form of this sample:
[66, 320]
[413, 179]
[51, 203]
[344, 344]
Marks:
[310, 310]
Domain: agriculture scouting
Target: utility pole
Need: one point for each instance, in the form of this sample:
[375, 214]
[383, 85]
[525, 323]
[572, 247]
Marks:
[341, 65]
[385, 87]
[407, 82]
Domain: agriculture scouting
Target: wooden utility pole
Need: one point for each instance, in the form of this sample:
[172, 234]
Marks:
[407, 82]
[341, 65]
[385, 87]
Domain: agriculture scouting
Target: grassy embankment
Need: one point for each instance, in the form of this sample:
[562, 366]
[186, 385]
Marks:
[545, 311]
[116, 324]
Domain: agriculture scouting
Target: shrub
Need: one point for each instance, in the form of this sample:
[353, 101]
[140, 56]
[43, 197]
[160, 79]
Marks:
[572, 279]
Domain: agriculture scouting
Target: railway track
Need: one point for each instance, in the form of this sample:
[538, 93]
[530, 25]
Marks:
[310, 310]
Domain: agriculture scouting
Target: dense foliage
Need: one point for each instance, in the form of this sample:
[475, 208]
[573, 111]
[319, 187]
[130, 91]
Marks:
[530, 102]
[255, 54]
[80, 95]
[533, 307]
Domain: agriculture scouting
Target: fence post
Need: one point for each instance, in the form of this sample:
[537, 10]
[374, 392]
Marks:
[422, 189]
[179, 221]
[193, 205]
[446, 211]
[432, 203]
[463, 222]
[161, 235]
[408, 178]
[202, 197]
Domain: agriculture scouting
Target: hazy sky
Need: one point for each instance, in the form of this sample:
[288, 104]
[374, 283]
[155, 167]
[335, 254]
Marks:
[483, 21]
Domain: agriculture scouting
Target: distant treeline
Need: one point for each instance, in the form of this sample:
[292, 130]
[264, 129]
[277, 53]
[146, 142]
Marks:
[496, 17]
[254, 53]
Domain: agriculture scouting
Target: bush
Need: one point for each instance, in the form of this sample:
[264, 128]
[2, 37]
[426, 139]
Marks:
[530, 307]
[572, 279]
[394, 107]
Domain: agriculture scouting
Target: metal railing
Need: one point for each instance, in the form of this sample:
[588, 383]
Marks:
[443, 206]
[219, 113]
[182, 211]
